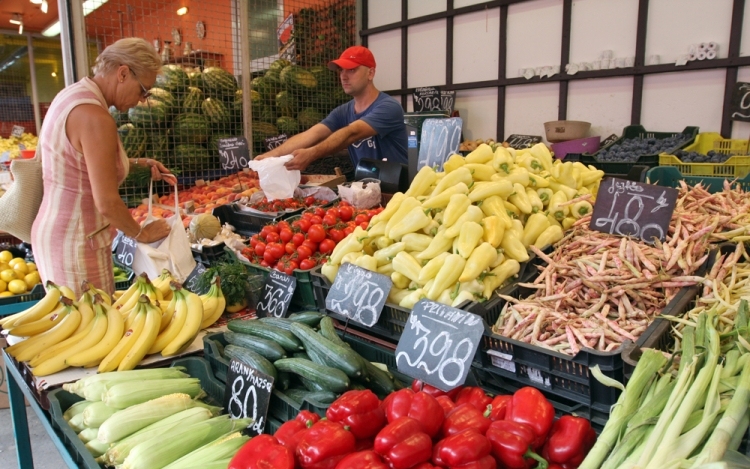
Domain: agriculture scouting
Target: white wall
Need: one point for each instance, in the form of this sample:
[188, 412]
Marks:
[671, 101]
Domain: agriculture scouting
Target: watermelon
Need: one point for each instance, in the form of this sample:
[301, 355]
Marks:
[279, 64]
[167, 99]
[192, 157]
[219, 84]
[193, 100]
[119, 117]
[264, 114]
[215, 110]
[213, 143]
[295, 76]
[308, 117]
[149, 114]
[263, 130]
[285, 103]
[191, 128]
[325, 77]
[195, 79]
[173, 79]
[133, 140]
[287, 125]
[260, 85]
[158, 142]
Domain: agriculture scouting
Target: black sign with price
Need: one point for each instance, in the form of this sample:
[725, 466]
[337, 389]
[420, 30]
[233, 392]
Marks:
[275, 142]
[125, 250]
[277, 295]
[234, 153]
[17, 131]
[628, 208]
[359, 294]
[519, 142]
[191, 282]
[432, 98]
[247, 395]
[739, 107]
[609, 140]
[438, 344]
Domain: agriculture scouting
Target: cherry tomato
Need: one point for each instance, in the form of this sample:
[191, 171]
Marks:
[316, 233]
[334, 212]
[309, 201]
[276, 249]
[279, 266]
[272, 237]
[348, 230]
[361, 218]
[298, 239]
[346, 212]
[329, 220]
[291, 267]
[286, 235]
[336, 235]
[254, 241]
[327, 245]
[319, 211]
[344, 203]
[264, 231]
[260, 248]
[306, 216]
[313, 247]
[272, 228]
[307, 264]
[316, 219]
[303, 252]
[290, 248]
[364, 225]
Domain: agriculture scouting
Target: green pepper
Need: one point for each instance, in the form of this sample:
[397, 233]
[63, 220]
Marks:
[447, 276]
[468, 238]
[406, 265]
[456, 207]
[484, 190]
[421, 182]
[535, 226]
[519, 199]
[441, 200]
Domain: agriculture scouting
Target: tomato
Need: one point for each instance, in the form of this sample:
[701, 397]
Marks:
[346, 212]
[254, 241]
[334, 212]
[272, 237]
[319, 211]
[276, 249]
[303, 252]
[298, 239]
[327, 245]
[279, 266]
[329, 220]
[313, 247]
[260, 248]
[364, 224]
[309, 201]
[316, 233]
[336, 235]
[303, 224]
[307, 264]
[316, 219]
[290, 248]
[272, 228]
[286, 235]
[361, 218]
[344, 203]
[268, 257]
[264, 263]
[306, 216]
[283, 225]
[291, 267]
[348, 230]
[264, 231]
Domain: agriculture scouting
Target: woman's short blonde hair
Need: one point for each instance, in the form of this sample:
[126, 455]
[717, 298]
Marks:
[136, 53]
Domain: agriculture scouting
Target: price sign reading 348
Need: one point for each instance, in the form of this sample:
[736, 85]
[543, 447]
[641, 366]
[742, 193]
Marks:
[359, 294]
[277, 294]
[438, 344]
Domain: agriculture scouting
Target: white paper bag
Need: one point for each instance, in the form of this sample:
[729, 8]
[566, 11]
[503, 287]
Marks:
[361, 194]
[172, 253]
[276, 181]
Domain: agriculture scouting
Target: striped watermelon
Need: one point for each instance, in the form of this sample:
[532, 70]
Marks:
[158, 142]
[191, 128]
[309, 117]
[295, 76]
[149, 114]
[279, 64]
[195, 79]
[262, 130]
[215, 110]
[192, 157]
[173, 79]
[218, 83]
[285, 103]
[167, 99]
[287, 125]
[133, 139]
[193, 100]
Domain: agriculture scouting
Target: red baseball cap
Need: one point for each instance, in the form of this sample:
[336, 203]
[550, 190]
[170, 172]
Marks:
[353, 57]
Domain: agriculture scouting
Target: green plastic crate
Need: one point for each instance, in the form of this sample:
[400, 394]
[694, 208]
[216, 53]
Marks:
[17, 303]
[303, 298]
[670, 176]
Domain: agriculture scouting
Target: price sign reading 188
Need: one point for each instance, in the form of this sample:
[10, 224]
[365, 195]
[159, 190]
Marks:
[233, 153]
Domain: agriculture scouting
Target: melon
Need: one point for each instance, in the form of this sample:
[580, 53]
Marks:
[204, 226]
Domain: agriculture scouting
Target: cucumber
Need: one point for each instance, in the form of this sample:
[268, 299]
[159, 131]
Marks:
[251, 358]
[268, 349]
[281, 323]
[332, 379]
[332, 354]
[317, 397]
[284, 381]
[253, 327]
[311, 318]
[311, 385]
[380, 382]
[328, 330]
[301, 355]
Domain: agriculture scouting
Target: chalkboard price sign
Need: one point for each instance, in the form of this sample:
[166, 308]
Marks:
[432, 98]
[739, 108]
[233, 153]
[125, 250]
[359, 294]
[440, 139]
[247, 394]
[629, 208]
[191, 282]
[275, 142]
[519, 142]
[609, 140]
[17, 131]
[277, 295]
[438, 344]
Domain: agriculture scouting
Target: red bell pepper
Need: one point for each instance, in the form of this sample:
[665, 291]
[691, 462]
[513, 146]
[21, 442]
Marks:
[425, 465]
[465, 417]
[362, 460]
[569, 441]
[461, 449]
[289, 433]
[499, 406]
[403, 443]
[261, 452]
[360, 411]
[475, 396]
[530, 407]
[324, 445]
[418, 385]
[512, 445]
[446, 403]
[420, 406]
[365, 444]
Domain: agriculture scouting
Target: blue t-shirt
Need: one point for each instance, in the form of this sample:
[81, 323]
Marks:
[386, 117]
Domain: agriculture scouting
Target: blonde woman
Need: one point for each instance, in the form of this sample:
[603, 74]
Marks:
[83, 165]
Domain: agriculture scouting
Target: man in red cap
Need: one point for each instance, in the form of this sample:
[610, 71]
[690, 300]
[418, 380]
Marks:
[371, 125]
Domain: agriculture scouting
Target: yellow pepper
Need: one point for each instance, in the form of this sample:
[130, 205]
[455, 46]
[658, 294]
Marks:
[352, 243]
[447, 276]
[445, 298]
[513, 248]
[329, 271]
[590, 177]
[386, 269]
[441, 200]
[483, 190]
[516, 175]
[517, 228]
[386, 255]
[397, 295]
[553, 220]
[367, 262]
[567, 176]
[570, 193]
[482, 154]
[412, 298]
[584, 190]
[414, 221]
[502, 161]
[534, 200]
[440, 244]
[470, 235]
[499, 275]
[554, 208]
[543, 155]
[531, 164]
[499, 259]
[451, 179]
[406, 265]
[479, 260]
[481, 172]
[472, 214]
[494, 229]
[549, 236]
[456, 207]
[407, 206]
[421, 182]
[537, 181]
[545, 194]
[535, 225]
[581, 209]
[351, 257]
[494, 206]
[391, 208]
[568, 222]
[370, 246]
[453, 163]
[383, 242]
[416, 241]
[432, 228]
[431, 269]
[463, 296]
[519, 199]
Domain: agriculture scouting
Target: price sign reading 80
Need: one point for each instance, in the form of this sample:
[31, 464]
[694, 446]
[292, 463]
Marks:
[359, 294]
[247, 394]
[438, 344]
[277, 295]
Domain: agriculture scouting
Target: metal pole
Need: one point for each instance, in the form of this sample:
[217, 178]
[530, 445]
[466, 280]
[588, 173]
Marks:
[66, 43]
[34, 93]
[79, 40]
[245, 59]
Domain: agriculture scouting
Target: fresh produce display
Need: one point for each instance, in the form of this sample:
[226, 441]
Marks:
[459, 235]
[16, 275]
[282, 205]
[630, 149]
[121, 275]
[10, 144]
[695, 157]
[236, 284]
[726, 211]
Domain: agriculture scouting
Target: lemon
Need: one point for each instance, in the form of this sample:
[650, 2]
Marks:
[15, 261]
[17, 286]
[6, 256]
[21, 268]
[3, 286]
[5, 293]
[31, 266]
[4, 266]
[32, 279]
[8, 274]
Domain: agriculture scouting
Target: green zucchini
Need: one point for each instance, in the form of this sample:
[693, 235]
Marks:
[332, 354]
[281, 323]
[269, 349]
[311, 318]
[284, 381]
[328, 330]
[332, 379]
[266, 331]
[251, 358]
[316, 397]
[380, 381]
[311, 385]
[301, 355]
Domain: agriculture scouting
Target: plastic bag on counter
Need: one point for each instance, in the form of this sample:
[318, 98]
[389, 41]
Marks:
[319, 192]
[361, 194]
[276, 181]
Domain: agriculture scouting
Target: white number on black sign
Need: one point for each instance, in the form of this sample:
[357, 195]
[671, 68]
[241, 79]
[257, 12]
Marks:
[358, 294]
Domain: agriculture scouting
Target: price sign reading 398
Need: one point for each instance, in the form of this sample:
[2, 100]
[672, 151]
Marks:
[359, 294]
[438, 344]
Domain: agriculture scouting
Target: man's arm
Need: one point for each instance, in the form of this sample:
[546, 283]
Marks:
[306, 139]
[337, 141]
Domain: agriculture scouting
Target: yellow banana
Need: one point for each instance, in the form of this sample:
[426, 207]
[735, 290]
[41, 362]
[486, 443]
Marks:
[210, 303]
[130, 316]
[175, 323]
[57, 362]
[132, 302]
[162, 284]
[145, 340]
[42, 325]
[115, 328]
[117, 295]
[168, 313]
[38, 311]
[61, 346]
[134, 289]
[221, 304]
[86, 307]
[191, 327]
[60, 332]
[115, 356]
[67, 292]
[105, 296]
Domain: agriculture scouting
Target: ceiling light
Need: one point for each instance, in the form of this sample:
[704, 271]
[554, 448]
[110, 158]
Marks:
[16, 19]
[44, 6]
[20, 28]
[88, 7]
[36, 2]
[54, 74]
[182, 11]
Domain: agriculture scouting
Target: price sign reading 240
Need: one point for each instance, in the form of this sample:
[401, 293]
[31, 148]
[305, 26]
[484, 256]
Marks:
[233, 153]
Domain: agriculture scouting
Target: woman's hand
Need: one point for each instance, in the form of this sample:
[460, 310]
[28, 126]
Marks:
[158, 171]
[154, 231]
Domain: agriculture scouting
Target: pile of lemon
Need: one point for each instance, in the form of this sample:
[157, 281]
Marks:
[16, 275]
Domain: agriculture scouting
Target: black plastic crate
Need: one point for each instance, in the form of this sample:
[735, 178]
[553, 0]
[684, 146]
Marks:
[208, 255]
[248, 223]
[303, 298]
[272, 425]
[124, 284]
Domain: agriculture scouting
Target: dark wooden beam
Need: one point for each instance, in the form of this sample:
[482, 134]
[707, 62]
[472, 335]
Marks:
[562, 105]
[502, 59]
[735, 38]
[365, 19]
[640, 58]
[449, 44]
[404, 51]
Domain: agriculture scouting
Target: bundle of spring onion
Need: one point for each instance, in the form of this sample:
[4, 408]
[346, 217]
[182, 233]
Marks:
[686, 410]
[126, 413]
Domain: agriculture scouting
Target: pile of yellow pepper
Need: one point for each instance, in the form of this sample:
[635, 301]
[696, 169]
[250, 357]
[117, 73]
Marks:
[457, 235]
